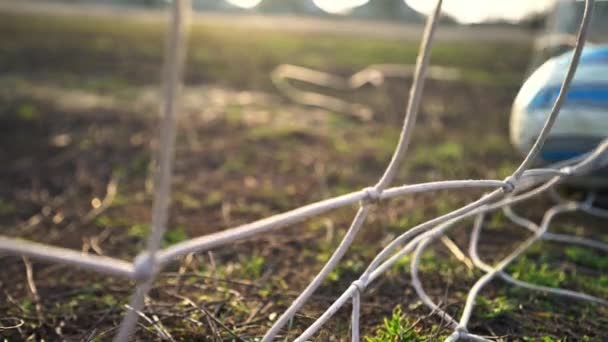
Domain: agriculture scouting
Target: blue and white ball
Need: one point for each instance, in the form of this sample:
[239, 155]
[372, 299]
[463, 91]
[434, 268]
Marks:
[583, 120]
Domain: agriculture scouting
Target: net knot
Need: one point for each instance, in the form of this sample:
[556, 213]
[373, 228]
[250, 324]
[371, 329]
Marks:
[462, 332]
[509, 184]
[359, 285]
[144, 267]
[567, 170]
[372, 195]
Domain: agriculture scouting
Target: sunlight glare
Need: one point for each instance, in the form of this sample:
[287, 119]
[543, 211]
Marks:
[244, 3]
[339, 6]
[475, 11]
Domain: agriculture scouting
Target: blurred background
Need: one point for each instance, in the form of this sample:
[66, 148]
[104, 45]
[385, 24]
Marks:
[275, 113]
[473, 11]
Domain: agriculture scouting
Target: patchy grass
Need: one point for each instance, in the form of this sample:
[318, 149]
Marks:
[398, 328]
[586, 257]
[543, 274]
[129, 52]
[496, 307]
[253, 266]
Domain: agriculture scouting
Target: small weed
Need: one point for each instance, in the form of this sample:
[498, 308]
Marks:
[545, 339]
[214, 198]
[6, 208]
[234, 165]
[107, 221]
[492, 145]
[341, 144]
[431, 263]
[528, 270]
[497, 220]
[173, 236]
[586, 257]
[120, 200]
[187, 201]
[449, 150]
[346, 267]
[254, 266]
[234, 114]
[396, 328]
[139, 165]
[594, 285]
[138, 230]
[109, 300]
[437, 155]
[27, 112]
[26, 305]
[264, 133]
[440, 157]
[266, 291]
[493, 308]
[106, 85]
[413, 218]
[505, 169]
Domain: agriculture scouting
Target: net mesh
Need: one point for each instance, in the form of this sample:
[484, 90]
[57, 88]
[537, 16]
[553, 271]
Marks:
[523, 184]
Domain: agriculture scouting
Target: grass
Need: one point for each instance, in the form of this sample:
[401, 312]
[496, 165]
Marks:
[398, 328]
[543, 274]
[496, 307]
[586, 257]
[243, 170]
[115, 53]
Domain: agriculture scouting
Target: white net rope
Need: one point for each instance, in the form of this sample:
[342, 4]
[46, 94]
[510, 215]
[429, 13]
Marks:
[524, 183]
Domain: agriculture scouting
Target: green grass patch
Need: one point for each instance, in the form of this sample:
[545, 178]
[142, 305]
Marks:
[253, 266]
[536, 272]
[495, 307]
[174, 235]
[587, 257]
[399, 328]
[28, 112]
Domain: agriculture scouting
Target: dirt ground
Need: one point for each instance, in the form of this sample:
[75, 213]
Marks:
[78, 124]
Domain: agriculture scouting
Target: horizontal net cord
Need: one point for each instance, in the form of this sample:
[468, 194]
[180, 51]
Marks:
[43, 252]
[121, 268]
[220, 238]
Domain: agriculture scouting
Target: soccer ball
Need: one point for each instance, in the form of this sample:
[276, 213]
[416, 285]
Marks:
[583, 120]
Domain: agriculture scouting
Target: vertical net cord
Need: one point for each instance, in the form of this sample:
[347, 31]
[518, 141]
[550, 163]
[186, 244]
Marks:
[146, 266]
[327, 268]
[413, 106]
[374, 193]
[355, 316]
[581, 38]
[417, 284]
